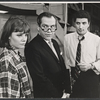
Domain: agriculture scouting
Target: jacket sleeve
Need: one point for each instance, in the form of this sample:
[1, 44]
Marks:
[35, 66]
[23, 79]
[67, 82]
[66, 73]
[8, 80]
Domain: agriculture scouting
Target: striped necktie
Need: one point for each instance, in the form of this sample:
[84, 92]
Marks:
[78, 58]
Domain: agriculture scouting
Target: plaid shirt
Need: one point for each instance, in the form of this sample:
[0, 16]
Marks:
[13, 76]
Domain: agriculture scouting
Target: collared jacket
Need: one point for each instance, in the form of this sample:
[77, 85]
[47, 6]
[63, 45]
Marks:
[49, 74]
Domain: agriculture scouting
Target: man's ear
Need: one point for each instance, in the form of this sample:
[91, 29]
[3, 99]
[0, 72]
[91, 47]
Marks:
[38, 28]
[89, 23]
[74, 24]
[9, 38]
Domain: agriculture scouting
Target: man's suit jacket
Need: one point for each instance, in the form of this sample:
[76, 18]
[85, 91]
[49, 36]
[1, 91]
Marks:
[50, 77]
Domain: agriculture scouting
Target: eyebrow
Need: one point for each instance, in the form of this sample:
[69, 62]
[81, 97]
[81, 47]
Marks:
[20, 33]
[48, 25]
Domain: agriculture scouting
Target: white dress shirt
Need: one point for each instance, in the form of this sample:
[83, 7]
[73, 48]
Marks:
[90, 50]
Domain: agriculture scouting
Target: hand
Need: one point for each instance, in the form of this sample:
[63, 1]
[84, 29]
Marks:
[65, 95]
[84, 66]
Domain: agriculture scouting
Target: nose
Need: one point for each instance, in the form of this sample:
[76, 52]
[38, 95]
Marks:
[24, 38]
[81, 25]
[49, 29]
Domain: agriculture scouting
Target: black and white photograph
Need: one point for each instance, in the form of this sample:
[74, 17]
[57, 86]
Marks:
[49, 50]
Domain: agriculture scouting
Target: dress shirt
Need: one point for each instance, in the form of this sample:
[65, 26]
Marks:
[90, 50]
[13, 76]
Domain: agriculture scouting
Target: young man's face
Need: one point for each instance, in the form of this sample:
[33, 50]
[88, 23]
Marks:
[81, 25]
[47, 27]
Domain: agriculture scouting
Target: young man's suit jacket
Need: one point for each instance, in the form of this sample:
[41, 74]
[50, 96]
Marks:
[50, 77]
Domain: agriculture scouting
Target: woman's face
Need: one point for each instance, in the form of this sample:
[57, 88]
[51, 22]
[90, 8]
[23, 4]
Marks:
[18, 40]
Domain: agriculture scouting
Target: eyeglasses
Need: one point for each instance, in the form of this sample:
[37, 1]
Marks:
[45, 28]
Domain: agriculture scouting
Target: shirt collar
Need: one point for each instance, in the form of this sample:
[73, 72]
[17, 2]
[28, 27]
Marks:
[47, 41]
[11, 53]
[86, 35]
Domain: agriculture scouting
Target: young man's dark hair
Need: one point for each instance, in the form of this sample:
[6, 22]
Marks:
[82, 14]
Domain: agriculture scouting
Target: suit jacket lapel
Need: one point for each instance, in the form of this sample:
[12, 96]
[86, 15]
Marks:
[46, 46]
[57, 50]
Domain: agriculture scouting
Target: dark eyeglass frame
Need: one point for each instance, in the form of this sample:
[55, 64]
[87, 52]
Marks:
[45, 28]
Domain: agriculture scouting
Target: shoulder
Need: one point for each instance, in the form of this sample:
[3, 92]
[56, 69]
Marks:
[34, 42]
[34, 45]
[5, 53]
[94, 36]
[70, 35]
[6, 60]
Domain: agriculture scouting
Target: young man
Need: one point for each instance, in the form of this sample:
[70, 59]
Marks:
[82, 56]
[46, 65]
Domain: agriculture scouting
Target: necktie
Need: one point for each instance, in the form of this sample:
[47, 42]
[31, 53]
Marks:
[78, 58]
[53, 49]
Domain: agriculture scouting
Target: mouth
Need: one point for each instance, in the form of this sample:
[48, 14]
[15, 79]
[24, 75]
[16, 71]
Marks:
[23, 44]
[80, 30]
[48, 35]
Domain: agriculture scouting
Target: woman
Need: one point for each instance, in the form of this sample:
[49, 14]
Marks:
[14, 79]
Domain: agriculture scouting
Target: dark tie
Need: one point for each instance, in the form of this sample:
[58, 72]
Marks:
[78, 58]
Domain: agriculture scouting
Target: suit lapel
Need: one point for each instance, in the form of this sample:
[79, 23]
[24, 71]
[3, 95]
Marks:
[57, 50]
[46, 46]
